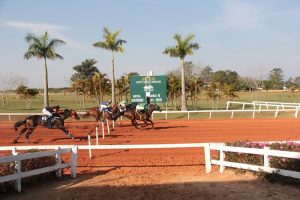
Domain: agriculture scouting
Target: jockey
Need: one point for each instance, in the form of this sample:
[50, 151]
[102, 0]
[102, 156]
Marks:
[141, 108]
[123, 105]
[48, 111]
[105, 106]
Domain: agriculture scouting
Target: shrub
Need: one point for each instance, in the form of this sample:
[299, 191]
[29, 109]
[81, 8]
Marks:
[275, 162]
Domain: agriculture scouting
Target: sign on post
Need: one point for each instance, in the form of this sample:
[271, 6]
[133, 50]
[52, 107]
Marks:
[153, 87]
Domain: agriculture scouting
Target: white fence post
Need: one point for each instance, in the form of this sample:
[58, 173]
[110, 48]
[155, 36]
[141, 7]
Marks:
[89, 142]
[253, 115]
[276, 113]
[107, 124]
[207, 158]
[74, 161]
[18, 182]
[227, 105]
[97, 136]
[103, 134]
[166, 117]
[232, 114]
[188, 114]
[266, 158]
[58, 162]
[222, 156]
[296, 112]
[259, 108]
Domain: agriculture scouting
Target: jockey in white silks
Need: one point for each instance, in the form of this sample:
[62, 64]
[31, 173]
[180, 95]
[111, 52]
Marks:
[122, 105]
[140, 108]
[49, 110]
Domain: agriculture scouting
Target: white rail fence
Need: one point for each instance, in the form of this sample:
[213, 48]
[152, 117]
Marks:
[267, 104]
[210, 112]
[266, 152]
[257, 108]
[18, 158]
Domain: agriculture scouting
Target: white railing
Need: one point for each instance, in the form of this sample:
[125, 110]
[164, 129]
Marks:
[266, 152]
[17, 158]
[267, 104]
[210, 112]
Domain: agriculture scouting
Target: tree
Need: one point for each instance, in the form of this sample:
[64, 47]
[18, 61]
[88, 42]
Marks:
[100, 85]
[85, 70]
[42, 48]
[194, 85]
[82, 80]
[114, 44]
[206, 74]
[123, 85]
[183, 48]
[276, 77]
[9, 81]
[173, 87]
[27, 94]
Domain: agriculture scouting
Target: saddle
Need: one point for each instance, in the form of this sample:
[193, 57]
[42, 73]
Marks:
[48, 120]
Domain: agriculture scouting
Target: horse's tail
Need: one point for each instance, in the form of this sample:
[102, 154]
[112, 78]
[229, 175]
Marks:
[18, 124]
[87, 114]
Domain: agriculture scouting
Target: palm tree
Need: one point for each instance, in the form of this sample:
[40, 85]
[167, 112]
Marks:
[114, 44]
[42, 48]
[183, 48]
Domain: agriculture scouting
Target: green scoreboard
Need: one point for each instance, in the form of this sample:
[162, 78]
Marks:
[153, 87]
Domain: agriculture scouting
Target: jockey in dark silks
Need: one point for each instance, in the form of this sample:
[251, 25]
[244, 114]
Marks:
[49, 111]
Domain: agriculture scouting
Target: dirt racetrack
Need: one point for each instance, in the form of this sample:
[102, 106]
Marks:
[158, 173]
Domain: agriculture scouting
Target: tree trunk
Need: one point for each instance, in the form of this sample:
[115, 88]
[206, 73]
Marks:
[113, 79]
[46, 96]
[3, 100]
[183, 98]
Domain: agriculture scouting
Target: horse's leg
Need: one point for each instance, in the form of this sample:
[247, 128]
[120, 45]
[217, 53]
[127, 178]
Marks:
[66, 132]
[21, 133]
[134, 123]
[29, 133]
[149, 120]
[145, 123]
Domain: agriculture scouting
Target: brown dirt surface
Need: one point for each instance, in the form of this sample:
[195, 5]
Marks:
[158, 173]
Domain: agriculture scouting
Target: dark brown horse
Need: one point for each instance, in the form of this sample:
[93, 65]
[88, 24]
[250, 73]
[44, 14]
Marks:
[132, 114]
[95, 112]
[57, 122]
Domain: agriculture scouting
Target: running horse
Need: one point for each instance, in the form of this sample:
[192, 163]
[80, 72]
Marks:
[57, 122]
[132, 114]
[95, 112]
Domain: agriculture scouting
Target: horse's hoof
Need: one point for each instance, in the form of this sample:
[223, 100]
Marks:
[70, 136]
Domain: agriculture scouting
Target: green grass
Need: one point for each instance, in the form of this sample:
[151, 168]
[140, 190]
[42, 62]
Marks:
[15, 104]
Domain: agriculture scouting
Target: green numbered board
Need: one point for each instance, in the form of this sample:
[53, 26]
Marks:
[154, 87]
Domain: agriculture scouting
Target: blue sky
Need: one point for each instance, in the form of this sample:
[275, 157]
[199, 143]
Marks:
[251, 37]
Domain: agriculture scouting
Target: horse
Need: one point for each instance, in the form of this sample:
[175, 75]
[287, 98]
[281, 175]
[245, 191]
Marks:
[95, 112]
[57, 122]
[132, 114]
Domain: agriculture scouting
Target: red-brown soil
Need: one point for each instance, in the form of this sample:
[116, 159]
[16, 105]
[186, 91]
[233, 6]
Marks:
[158, 173]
